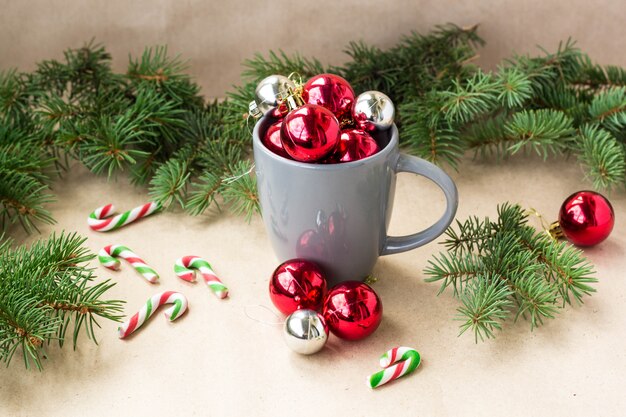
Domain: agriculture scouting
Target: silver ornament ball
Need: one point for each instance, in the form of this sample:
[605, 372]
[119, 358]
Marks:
[305, 332]
[268, 92]
[373, 110]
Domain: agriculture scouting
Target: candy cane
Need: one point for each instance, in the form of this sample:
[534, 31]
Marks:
[406, 360]
[153, 303]
[97, 219]
[184, 270]
[108, 254]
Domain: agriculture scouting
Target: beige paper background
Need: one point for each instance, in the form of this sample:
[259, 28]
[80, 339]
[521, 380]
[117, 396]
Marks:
[217, 35]
[216, 361]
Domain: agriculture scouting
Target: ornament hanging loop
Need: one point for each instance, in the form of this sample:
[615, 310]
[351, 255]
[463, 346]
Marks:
[253, 110]
[555, 231]
[293, 96]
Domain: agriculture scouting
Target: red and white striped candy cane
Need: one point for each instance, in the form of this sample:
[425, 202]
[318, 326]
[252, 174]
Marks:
[397, 362]
[184, 270]
[148, 309]
[99, 222]
[107, 256]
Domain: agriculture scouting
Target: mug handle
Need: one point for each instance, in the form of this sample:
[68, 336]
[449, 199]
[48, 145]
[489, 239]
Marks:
[407, 163]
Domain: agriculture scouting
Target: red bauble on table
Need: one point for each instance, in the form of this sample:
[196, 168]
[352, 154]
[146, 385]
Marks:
[586, 218]
[297, 284]
[271, 140]
[330, 91]
[310, 133]
[352, 310]
[356, 144]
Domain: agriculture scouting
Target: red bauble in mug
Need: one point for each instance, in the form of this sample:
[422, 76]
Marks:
[586, 218]
[356, 144]
[330, 91]
[352, 310]
[271, 139]
[310, 133]
[296, 284]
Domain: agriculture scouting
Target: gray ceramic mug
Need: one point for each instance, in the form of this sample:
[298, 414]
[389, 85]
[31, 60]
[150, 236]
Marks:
[338, 214]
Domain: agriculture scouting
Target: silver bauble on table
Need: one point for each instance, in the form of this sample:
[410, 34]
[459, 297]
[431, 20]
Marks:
[305, 332]
[373, 110]
[268, 93]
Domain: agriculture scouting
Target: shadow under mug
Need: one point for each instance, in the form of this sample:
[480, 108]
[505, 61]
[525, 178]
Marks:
[337, 215]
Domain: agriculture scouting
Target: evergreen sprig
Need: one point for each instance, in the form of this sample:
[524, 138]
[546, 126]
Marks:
[48, 294]
[558, 103]
[151, 123]
[503, 268]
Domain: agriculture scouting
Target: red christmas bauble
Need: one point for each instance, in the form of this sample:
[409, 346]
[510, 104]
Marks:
[297, 284]
[586, 218]
[330, 91]
[356, 144]
[310, 133]
[272, 141]
[352, 310]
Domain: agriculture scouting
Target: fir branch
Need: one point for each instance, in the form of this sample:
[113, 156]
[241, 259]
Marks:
[168, 184]
[485, 304]
[113, 145]
[544, 131]
[22, 200]
[515, 87]
[151, 118]
[500, 267]
[602, 155]
[15, 96]
[46, 291]
[239, 191]
[466, 101]
[417, 64]
[203, 193]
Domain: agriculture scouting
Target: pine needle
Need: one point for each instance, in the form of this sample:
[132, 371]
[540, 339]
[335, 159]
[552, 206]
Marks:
[506, 267]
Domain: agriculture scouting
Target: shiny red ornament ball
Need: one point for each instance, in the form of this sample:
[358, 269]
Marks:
[356, 144]
[352, 310]
[310, 133]
[586, 218]
[330, 91]
[297, 284]
[271, 140]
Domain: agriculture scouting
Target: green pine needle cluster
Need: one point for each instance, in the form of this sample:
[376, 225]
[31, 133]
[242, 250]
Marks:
[556, 104]
[505, 268]
[47, 294]
[151, 123]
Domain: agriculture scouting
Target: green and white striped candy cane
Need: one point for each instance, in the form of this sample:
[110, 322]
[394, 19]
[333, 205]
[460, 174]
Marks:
[107, 256]
[178, 308]
[100, 219]
[184, 270]
[397, 362]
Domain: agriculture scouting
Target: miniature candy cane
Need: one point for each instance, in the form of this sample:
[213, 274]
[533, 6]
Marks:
[97, 219]
[153, 303]
[406, 360]
[108, 254]
[184, 270]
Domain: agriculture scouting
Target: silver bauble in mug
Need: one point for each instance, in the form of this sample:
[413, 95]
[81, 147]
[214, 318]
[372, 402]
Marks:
[305, 331]
[268, 93]
[373, 110]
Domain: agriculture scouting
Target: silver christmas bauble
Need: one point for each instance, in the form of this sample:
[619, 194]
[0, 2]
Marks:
[268, 92]
[373, 110]
[305, 332]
